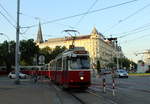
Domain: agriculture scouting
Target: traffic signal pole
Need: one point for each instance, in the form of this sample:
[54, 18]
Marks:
[17, 81]
[117, 51]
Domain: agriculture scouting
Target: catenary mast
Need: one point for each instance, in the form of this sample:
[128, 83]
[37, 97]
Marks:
[17, 81]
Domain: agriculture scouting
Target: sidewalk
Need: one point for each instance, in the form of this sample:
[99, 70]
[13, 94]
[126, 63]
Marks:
[27, 92]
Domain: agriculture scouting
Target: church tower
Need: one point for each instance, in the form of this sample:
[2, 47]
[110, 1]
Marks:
[39, 35]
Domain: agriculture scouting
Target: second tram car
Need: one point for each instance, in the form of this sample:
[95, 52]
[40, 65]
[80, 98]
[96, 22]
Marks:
[71, 69]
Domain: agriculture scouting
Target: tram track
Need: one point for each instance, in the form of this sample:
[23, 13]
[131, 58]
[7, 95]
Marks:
[92, 92]
[58, 99]
[82, 97]
[91, 97]
[88, 96]
[65, 96]
[77, 98]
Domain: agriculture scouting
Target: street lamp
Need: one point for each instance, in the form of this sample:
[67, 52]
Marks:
[8, 40]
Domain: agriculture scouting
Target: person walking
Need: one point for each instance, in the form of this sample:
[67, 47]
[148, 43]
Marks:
[35, 77]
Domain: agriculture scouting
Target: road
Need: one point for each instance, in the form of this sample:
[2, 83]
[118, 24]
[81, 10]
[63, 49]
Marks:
[132, 90]
[28, 92]
[25, 93]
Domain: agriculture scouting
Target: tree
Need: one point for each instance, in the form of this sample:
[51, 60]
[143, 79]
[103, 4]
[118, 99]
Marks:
[125, 62]
[28, 49]
[46, 51]
[111, 65]
[51, 54]
[7, 56]
[57, 51]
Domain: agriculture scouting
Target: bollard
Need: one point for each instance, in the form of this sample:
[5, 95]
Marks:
[113, 86]
[104, 85]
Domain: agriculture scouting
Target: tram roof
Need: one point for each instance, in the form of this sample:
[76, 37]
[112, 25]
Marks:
[69, 51]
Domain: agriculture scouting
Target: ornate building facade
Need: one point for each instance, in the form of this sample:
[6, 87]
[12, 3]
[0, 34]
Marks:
[99, 48]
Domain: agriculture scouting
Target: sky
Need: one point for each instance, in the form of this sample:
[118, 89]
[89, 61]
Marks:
[128, 20]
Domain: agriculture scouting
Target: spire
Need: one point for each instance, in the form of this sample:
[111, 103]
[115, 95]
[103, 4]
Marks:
[94, 31]
[39, 35]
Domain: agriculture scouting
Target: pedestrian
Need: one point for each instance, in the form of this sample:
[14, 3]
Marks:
[35, 77]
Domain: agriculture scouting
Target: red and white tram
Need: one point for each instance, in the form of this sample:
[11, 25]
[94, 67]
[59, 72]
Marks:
[71, 69]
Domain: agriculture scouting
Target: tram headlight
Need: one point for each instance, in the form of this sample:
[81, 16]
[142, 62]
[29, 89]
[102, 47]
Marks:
[81, 78]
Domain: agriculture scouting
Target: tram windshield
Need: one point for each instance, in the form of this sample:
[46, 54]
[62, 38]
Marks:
[80, 62]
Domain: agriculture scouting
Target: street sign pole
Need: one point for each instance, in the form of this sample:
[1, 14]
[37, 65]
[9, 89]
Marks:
[17, 81]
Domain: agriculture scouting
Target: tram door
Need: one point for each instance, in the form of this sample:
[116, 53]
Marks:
[65, 70]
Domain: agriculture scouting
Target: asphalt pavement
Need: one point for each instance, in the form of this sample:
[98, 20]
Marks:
[27, 92]
[132, 90]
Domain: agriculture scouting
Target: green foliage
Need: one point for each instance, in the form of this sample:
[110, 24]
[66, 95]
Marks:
[148, 71]
[57, 51]
[46, 51]
[125, 62]
[28, 49]
[140, 61]
[111, 65]
[51, 54]
[23, 62]
[7, 56]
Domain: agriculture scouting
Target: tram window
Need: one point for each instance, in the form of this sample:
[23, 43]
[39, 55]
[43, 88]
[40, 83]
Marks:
[45, 67]
[55, 66]
[52, 66]
[42, 68]
[59, 64]
[65, 65]
[80, 62]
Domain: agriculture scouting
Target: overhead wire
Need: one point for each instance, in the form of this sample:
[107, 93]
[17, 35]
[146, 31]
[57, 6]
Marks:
[126, 18]
[83, 16]
[90, 12]
[136, 30]
[39, 18]
[7, 12]
[133, 33]
[8, 20]
[133, 40]
[24, 37]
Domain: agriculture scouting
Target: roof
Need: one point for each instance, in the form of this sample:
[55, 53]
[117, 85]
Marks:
[69, 38]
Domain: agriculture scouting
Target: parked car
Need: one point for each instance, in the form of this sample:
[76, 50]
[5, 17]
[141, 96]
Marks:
[12, 75]
[121, 73]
